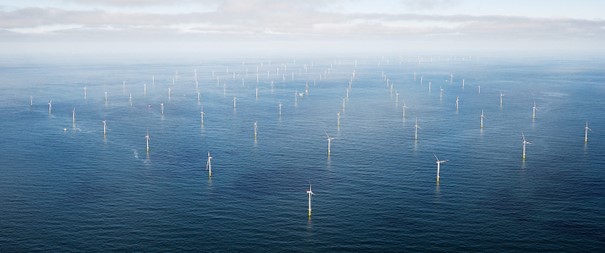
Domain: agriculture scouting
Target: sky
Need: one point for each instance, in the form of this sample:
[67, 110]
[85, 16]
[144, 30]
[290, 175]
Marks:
[299, 26]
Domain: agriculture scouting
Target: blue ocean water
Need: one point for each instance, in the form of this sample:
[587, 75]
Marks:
[66, 186]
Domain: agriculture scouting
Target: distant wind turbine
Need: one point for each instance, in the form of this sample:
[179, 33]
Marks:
[586, 129]
[50, 106]
[147, 140]
[439, 162]
[533, 111]
[309, 193]
[482, 118]
[329, 142]
[104, 127]
[525, 142]
[209, 165]
[255, 129]
[202, 113]
[416, 127]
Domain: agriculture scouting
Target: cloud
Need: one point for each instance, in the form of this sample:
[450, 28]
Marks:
[428, 4]
[296, 20]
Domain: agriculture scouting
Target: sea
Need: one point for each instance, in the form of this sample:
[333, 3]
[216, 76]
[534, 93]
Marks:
[66, 186]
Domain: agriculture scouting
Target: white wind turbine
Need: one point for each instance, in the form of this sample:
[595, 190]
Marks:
[482, 118]
[309, 193]
[439, 162]
[533, 111]
[329, 143]
[50, 106]
[501, 98]
[209, 165]
[202, 113]
[416, 127]
[147, 140]
[255, 129]
[586, 129]
[525, 142]
[104, 127]
[404, 109]
[457, 102]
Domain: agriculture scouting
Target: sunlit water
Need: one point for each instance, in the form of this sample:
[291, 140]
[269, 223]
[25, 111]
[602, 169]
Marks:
[66, 187]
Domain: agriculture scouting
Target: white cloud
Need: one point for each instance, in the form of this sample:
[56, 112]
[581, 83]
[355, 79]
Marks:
[297, 20]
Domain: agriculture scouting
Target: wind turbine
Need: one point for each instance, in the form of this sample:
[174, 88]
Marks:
[280, 108]
[439, 162]
[338, 122]
[104, 127]
[202, 113]
[329, 142]
[147, 140]
[404, 109]
[255, 129]
[106, 97]
[533, 111]
[234, 103]
[209, 165]
[416, 127]
[130, 99]
[85, 92]
[73, 117]
[586, 129]
[463, 84]
[525, 142]
[457, 102]
[501, 95]
[430, 84]
[31, 101]
[162, 108]
[309, 193]
[482, 117]
[50, 106]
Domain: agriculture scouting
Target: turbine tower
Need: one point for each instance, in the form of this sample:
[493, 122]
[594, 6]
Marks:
[416, 127]
[209, 165]
[586, 129]
[147, 140]
[439, 162]
[482, 118]
[309, 193]
[329, 142]
[525, 142]
[104, 127]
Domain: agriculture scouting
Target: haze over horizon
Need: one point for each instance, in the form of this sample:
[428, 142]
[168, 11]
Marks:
[270, 26]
